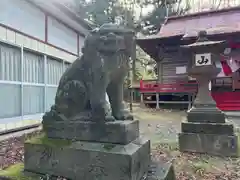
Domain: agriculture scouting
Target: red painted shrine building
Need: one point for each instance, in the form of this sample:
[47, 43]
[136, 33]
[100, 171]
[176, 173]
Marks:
[173, 85]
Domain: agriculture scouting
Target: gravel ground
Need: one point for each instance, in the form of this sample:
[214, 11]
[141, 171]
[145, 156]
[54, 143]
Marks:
[161, 127]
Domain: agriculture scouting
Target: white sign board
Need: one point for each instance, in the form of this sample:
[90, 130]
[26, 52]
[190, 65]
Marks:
[181, 70]
[203, 59]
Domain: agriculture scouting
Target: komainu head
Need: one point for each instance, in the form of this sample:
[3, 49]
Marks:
[110, 39]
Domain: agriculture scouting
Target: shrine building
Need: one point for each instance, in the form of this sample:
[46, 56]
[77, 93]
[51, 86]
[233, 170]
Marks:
[173, 85]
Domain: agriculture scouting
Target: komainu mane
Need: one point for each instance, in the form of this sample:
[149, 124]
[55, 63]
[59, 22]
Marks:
[101, 69]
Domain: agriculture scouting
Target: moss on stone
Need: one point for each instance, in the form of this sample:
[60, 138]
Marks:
[44, 140]
[15, 172]
[108, 147]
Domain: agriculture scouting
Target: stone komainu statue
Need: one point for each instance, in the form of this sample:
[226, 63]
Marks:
[101, 69]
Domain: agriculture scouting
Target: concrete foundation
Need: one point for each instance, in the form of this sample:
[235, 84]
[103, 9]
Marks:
[89, 160]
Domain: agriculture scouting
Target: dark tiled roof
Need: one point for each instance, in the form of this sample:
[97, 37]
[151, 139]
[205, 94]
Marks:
[214, 22]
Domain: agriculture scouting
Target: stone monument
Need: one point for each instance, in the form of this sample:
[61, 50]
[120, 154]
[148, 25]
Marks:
[206, 129]
[87, 141]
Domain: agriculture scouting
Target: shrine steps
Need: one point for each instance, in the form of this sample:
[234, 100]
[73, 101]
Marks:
[227, 101]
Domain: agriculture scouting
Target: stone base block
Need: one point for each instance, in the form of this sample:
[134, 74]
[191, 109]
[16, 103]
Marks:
[215, 144]
[207, 128]
[118, 132]
[206, 115]
[160, 171]
[88, 160]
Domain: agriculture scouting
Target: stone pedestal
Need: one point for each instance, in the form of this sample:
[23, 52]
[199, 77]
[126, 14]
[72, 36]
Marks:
[91, 151]
[90, 161]
[118, 132]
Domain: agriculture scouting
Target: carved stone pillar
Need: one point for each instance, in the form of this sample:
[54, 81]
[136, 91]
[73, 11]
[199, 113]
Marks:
[206, 129]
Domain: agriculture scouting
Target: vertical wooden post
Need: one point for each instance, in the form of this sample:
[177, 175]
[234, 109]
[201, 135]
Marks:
[141, 100]
[157, 100]
[189, 101]
[159, 66]
[131, 100]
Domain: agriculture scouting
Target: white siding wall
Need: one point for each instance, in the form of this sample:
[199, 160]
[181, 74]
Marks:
[10, 60]
[22, 16]
[54, 71]
[28, 83]
[33, 76]
[33, 68]
[9, 36]
[29, 69]
[10, 94]
[61, 36]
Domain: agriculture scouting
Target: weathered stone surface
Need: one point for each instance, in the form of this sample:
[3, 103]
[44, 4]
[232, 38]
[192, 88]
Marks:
[160, 171]
[89, 161]
[206, 115]
[157, 170]
[101, 69]
[207, 128]
[214, 144]
[119, 132]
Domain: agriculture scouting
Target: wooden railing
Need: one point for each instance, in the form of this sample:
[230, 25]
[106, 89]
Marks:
[148, 86]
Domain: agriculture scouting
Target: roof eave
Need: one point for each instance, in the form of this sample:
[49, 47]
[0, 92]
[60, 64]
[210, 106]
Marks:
[73, 15]
[48, 12]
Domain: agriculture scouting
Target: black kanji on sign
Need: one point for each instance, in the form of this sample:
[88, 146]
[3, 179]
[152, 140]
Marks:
[203, 60]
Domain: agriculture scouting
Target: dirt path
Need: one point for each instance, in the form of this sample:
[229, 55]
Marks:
[159, 125]
[162, 127]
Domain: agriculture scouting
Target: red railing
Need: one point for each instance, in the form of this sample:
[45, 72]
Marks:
[153, 86]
